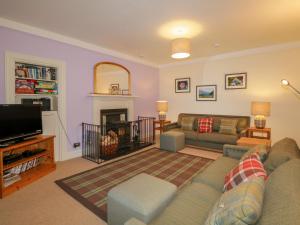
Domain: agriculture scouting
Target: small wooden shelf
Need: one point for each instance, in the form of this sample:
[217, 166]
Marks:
[27, 78]
[46, 166]
[24, 160]
[28, 177]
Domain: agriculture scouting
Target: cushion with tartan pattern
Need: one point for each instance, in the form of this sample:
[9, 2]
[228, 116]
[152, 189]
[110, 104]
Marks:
[205, 125]
[251, 166]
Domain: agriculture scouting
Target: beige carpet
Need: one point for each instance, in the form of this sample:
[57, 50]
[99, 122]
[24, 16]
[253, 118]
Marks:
[44, 203]
[201, 152]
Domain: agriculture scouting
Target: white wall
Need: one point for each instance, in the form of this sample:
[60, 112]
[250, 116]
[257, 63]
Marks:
[265, 71]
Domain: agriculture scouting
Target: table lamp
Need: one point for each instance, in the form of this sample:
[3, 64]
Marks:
[260, 110]
[162, 108]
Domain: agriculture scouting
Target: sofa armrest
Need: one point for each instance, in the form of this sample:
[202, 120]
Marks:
[243, 133]
[170, 126]
[235, 151]
[134, 221]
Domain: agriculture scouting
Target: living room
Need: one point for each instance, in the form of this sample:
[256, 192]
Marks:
[225, 61]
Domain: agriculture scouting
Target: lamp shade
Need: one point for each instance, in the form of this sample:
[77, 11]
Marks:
[261, 108]
[162, 106]
[181, 48]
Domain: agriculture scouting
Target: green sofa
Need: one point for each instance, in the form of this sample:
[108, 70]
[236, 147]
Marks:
[214, 140]
[281, 203]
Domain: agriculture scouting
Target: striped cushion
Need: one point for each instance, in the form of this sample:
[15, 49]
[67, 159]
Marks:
[249, 167]
[240, 206]
[228, 126]
[187, 123]
[205, 125]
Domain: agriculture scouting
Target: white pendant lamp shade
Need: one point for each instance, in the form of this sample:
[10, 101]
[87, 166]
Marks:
[181, 48]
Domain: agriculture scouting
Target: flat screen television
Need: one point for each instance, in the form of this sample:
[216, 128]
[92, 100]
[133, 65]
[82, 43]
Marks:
[18, 121]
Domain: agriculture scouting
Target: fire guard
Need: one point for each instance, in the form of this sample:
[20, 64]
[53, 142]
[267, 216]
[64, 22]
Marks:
[105, 142]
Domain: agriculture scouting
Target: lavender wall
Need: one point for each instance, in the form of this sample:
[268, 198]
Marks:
[79, 66]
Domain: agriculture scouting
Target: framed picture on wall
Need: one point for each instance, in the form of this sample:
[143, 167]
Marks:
[235, 81]
[183, 85]
[206, 93]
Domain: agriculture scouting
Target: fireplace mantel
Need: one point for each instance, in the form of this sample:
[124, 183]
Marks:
[112, 96]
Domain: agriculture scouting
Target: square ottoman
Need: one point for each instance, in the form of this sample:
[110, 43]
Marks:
[142, 197]
[172, 141]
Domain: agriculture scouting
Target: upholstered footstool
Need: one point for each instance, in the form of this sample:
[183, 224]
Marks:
[172, 141]
[142, 197]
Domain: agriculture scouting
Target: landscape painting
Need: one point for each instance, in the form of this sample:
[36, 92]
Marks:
[236, 81]
[206, 92]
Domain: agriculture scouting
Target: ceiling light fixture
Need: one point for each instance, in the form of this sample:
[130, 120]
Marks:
[181, 48]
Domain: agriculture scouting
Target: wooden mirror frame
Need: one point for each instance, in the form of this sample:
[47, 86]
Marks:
[115, 64]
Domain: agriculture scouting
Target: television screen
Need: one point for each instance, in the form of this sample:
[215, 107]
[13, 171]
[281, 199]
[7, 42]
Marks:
[19, 121]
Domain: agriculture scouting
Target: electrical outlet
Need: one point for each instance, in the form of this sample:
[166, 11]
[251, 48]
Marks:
[76, 145]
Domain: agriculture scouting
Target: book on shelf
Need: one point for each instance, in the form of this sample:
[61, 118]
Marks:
[23, 70]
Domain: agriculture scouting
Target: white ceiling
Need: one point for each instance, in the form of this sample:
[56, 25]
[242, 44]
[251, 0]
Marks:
[132, 26]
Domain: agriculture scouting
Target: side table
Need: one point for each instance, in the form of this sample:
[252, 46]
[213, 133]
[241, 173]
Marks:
[246, 141]
[161, 124]
[264, 133]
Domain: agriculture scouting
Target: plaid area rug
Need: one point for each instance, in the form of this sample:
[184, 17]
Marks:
[90, 187]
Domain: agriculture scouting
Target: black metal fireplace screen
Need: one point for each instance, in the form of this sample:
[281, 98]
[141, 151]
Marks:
[104, 142]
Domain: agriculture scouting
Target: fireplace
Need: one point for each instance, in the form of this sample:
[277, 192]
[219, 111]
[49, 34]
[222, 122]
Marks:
[110, 116]
[116, 120]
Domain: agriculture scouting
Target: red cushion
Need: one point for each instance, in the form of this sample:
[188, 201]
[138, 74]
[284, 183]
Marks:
[249, 167]
[205, 125]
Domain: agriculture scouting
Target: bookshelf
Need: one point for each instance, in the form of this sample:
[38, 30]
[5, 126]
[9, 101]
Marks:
[19, 173]
[36, 82]
[36, 69]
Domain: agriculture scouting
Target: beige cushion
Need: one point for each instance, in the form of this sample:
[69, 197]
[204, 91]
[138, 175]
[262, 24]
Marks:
[187, 123]
[282, 197]
[281, 152]
[215, 173]
[228, 126]
[190, 207]
[241, 205]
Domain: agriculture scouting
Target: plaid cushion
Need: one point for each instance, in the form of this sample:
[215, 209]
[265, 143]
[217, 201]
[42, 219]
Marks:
[205, 125]
[249, 167]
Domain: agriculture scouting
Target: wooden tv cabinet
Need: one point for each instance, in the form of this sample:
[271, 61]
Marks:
[44, 162]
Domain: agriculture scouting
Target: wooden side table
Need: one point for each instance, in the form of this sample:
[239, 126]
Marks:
[161, 124]
[246, 141]
[264, 133]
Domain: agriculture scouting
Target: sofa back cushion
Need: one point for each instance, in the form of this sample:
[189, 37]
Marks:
[242, 205]
[243, 121]
[187, 123]
[228, 126]
[282, 196]
[281, 152]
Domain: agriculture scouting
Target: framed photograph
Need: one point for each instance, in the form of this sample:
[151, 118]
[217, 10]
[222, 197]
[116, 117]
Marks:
[206, 93]
[125, 92]
[183, 85]
[235, 81]
[114, 89]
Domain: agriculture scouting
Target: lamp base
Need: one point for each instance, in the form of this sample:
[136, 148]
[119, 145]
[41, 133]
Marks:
[260, 123]
[162, 116]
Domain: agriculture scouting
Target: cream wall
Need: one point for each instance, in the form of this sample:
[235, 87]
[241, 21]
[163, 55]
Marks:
[265, 70]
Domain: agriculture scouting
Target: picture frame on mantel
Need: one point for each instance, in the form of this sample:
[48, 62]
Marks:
[206, 93]
[235, 81]
[183, 85]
